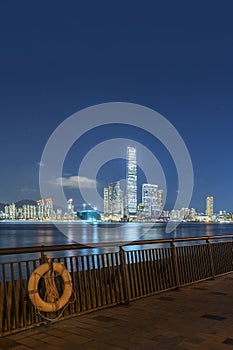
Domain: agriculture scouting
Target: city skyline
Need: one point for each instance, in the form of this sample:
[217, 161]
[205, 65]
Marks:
[149, 210]
[57, 59]
[119, 203]
[114, 189]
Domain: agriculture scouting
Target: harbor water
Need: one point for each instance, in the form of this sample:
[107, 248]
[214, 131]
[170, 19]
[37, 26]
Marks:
[28, 234]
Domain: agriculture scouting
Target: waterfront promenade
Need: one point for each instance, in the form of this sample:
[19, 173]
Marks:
[199, 316]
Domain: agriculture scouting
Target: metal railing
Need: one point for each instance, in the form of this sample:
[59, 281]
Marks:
[124, 273]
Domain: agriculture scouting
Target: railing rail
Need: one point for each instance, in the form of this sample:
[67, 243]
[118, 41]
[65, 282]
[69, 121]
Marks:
[109, 277]
[49, 248]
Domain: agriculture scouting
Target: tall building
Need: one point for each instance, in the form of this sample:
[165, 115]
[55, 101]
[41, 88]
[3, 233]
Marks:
[210, 207]
[44, 208]
[106, 201]
[28, 212]
[113, 200]
[150, 203]
[160, 200]
[11, 211]
[40, 208]
[70, 209]
[49, 212]
[131, 181]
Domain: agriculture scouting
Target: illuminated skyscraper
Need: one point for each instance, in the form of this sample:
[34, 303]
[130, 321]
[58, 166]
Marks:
[150, 201]
[131, 181]
[113, 200]
[209, 207]
[117, 199]
[160, 200]
[106, 201]
[40, 209]
[70, 208]
[44, 208]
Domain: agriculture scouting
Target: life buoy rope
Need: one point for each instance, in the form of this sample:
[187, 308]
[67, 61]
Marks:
[44, 271]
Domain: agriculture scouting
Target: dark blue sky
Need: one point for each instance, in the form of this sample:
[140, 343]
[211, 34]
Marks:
[58, 57]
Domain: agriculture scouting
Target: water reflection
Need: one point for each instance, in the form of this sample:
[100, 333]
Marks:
[26, 235]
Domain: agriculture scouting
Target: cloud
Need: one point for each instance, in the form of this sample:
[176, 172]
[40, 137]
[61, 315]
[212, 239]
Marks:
[74, 182]
[27, 190]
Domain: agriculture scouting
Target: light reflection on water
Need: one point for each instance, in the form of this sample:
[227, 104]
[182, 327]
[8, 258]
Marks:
[38, 234]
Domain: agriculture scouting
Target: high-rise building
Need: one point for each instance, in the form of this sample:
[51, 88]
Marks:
[210, 207]
[70, 209]
[131, 181]
[117, 199]
[11, 211]
[106, 201]
[44, 208]
[40, 208]
[59, 214]
[113, 200]
[28, 212]
[160, 200]
[151, 207]
[192, 214]
[49, 213]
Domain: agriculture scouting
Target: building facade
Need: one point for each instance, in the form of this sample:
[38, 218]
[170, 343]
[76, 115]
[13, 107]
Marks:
[210, 207]
[70, 209]
[44, 209]
[160, 199]
[150, 201]
[113, 200]
[131, 181]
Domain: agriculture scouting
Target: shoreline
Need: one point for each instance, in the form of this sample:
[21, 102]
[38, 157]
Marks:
[108, 222]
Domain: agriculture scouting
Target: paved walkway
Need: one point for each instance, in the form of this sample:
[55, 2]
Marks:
[195, 317]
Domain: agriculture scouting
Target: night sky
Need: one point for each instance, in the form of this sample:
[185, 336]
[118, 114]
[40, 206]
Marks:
[175, 57]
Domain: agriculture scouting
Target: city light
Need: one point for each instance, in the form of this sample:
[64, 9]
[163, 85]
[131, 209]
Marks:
[119, 206]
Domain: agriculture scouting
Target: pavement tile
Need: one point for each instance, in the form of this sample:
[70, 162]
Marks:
[50, 339]
[92, 323]
[35, 335]
[65, 331]
[29, 341]
[8, 342]
[81, 324]
[76, 339]
[55, 332]
[17, 336]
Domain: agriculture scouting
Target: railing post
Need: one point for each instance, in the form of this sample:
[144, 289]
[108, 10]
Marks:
[232, 255]
[210, 258]
[124, 276]
[175, 265]
[42, 255]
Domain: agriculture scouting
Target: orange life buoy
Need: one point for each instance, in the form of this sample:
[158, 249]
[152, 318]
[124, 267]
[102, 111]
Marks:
[33, 287]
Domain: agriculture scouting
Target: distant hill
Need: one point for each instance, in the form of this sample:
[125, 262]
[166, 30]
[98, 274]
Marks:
[18, 204]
